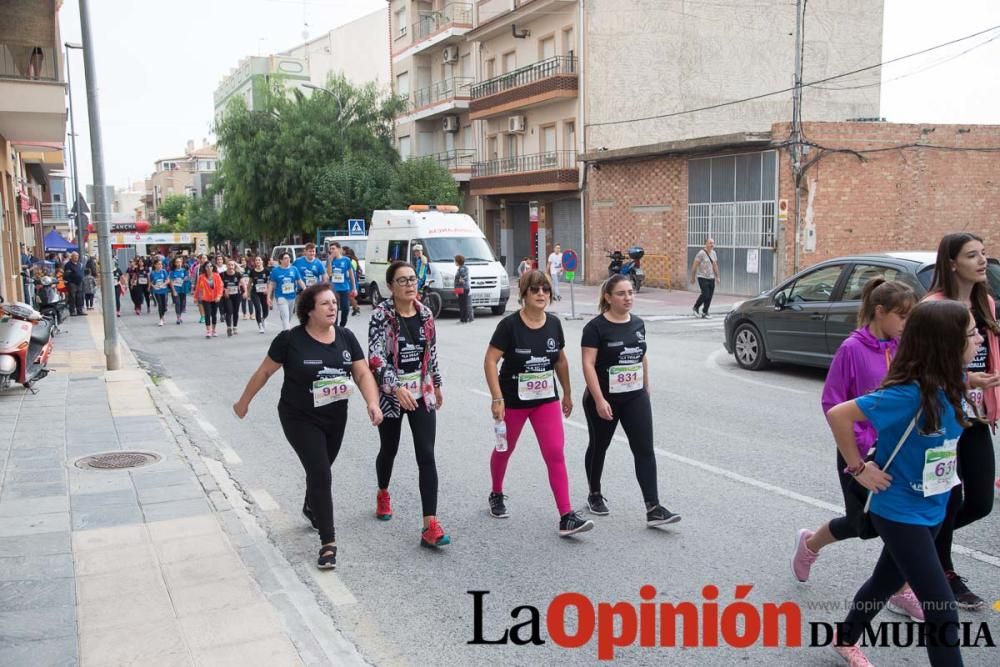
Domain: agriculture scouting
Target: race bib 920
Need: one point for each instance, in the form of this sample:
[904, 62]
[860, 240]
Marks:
[535, 386]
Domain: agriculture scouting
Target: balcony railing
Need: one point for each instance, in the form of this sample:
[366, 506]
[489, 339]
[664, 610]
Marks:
[55, 212]
[431, 22]
[456, 158]
[32, 63]
[543, 69]
[524, 163]
[456, 86]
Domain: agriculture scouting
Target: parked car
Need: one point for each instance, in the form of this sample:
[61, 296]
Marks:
[806, 318]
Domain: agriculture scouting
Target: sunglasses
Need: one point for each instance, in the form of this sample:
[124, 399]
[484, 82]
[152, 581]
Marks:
[407, 280]
[536, 289]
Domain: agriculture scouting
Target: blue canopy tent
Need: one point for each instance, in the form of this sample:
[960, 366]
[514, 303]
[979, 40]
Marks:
[55, 242]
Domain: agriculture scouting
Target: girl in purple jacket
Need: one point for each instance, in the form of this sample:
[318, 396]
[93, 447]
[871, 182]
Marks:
[858, 368]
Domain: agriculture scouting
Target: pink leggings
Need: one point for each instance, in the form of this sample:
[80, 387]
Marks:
[546, 421]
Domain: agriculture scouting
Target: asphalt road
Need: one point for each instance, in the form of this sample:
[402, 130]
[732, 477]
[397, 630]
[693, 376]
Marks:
[746, 458]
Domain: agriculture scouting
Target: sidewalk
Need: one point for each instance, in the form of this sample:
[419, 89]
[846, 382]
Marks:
[150, 565]
[649, 302]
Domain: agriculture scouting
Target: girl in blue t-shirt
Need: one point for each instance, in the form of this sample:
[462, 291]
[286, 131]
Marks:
[180, 285]
[160, 283]
[918, 414]
[285, 283]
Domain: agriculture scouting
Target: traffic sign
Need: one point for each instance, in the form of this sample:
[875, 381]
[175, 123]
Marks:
[569, 260]
[356, 227]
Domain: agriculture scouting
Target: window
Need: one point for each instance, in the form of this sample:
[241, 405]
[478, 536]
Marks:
[491, 68]
[815, 287]
[400, 19]
[404, 148]
[547, 48]
[491, 148]
[467, 137]
[509, 62]
[862, 273]
[569, 135]
[548, 139]
[510, 145]
[398, 250]
[403, 84]
[569, 42]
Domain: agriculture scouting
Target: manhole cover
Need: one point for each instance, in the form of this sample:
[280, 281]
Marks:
[117, 460]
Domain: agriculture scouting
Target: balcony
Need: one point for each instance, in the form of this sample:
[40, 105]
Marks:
[546, 81]
[32, 95]
[458, 161]
[55, 214]
[437, 28]
[539, 172]
[439, 98]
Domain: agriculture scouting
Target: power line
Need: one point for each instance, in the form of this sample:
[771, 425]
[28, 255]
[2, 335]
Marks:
[790, 89]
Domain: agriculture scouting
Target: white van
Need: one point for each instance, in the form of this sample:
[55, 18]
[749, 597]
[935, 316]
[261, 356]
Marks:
[359, 244]
[444, 233]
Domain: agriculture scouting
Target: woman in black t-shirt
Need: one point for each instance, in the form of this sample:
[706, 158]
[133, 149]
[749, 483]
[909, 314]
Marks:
[617, 376]
[322, 364]
[529, 343]
[259, 276]
[232, 282]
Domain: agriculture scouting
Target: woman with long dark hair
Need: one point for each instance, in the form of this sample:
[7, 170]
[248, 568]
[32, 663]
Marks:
[960, 275]
[208, 293]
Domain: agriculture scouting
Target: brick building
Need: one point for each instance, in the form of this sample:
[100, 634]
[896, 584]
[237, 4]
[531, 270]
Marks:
[866, 187]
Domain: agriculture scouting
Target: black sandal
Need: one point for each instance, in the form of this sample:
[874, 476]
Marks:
[327, 557]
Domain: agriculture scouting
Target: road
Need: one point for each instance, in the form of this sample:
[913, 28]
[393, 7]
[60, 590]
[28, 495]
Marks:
[746, 458]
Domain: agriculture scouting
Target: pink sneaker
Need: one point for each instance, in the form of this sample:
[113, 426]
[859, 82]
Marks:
[802, 557]
[852, 655]
[906, 604]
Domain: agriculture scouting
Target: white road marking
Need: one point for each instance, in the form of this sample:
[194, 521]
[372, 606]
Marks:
[171, 388]
[714, 367]
[229, 454]
[982, 557]
[333, 587]
[264, 500]
[206, 426]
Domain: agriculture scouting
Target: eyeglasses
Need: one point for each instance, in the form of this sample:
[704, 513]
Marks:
[405, 280]
[535, 289]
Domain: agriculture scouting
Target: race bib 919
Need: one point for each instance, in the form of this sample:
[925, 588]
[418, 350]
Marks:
[331, 390]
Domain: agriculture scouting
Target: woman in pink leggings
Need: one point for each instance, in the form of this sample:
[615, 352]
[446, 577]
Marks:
[528, 345]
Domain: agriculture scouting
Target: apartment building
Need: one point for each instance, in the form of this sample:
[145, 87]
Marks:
[189, 175]
[433, 67]
[32, 127]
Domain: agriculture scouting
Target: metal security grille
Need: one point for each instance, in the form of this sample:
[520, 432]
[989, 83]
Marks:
[733, 199]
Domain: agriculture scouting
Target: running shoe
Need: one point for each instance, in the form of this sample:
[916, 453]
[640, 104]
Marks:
[229, 331]
[598, 504]
[803, 557]
[965, 598]
[178, 320]
[260, 327]
[852, 655]
[201, 320]
[236, 331]
[383, 505]
[906, 604]
[696, 313]
[214, 334]
[160, 324]
[308, 514]
[327, 558]
[660, 516]
[706, 316]
[434, 535]
[572, 523]
[497, 508]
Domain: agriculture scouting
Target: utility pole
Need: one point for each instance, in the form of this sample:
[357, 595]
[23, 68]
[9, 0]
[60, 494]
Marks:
[101, 208]
[796, 151]
[78, 219]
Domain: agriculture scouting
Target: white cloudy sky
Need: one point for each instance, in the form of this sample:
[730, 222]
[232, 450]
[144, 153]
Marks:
[159, 63]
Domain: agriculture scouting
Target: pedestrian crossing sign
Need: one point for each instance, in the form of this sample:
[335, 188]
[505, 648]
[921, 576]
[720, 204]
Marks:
[356, 227]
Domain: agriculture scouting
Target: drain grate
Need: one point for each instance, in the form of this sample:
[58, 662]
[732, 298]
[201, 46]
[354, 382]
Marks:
[117, 460]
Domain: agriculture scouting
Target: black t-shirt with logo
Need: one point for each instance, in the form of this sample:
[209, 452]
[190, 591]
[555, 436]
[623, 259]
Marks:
[305, 360]
[617, 344]
[258, 281]
[527, 350]
[231, 283]
[411, 344]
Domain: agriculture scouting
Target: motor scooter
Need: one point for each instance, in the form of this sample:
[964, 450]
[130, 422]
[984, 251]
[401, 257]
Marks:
[25, 345]
[50, 303]
[631, 268]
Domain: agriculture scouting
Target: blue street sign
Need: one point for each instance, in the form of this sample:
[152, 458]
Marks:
[356, 227]
[569, 260]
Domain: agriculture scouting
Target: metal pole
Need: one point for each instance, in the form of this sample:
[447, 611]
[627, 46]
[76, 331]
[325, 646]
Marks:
[796, 152]
[78, 220]
[112, 359]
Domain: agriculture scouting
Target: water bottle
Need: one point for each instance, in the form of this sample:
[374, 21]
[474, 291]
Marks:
[500, 430]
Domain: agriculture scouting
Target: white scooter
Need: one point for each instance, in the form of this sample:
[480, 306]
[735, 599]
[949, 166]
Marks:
[25, 345]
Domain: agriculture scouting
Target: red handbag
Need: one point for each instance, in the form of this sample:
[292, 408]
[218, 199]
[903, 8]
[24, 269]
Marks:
[459, 291]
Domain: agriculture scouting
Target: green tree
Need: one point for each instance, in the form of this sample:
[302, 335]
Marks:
[171, 214]
[423, 181]
[351, 188]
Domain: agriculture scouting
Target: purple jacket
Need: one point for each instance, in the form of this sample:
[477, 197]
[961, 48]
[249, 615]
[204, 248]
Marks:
[858, 368]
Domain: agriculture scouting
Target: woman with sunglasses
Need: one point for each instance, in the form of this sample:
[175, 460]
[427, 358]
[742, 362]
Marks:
[402, 355]
[528, 345]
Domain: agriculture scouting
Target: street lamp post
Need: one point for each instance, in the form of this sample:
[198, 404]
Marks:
[78, 219]
[340, 106]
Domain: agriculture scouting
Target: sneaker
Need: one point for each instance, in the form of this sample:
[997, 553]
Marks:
[572, 523]
[696, 313]
[229, 331]
[660, 516]
[497, 508]
[383, 506]
[214, 333]
[434, 535]
[802, 557]
[178, 320]
[208, 334]
[201, 320]
[706, 316]
[965, 598]
[598, 504]
[160, 324]
[236, 331]
[327, 558]
[852, 655]
[906, 604]
[260, 327]
[308, 514]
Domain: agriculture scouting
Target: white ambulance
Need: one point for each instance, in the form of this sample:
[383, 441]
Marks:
[443, 232]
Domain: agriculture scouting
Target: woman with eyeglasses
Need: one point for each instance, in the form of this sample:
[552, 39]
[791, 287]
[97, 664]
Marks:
[402, 355]
[617, 375]
[528, 345]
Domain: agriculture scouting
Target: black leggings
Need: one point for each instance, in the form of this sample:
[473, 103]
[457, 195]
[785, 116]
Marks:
[88, 299]
[161, 304]
[211, 309]
[636, 417]
[231, 306]
[137, 295]
[422, 425]
[707, 286]
[973, 500]
[908, 557]
[258, 303]
[180, 303]
[846, 527]
[244, 305]
[118, 299]
[343, 307]
[317, 442]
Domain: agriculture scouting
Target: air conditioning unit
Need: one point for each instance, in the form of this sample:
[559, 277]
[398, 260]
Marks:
[515, 123]
[450, 54]
[449, 123]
